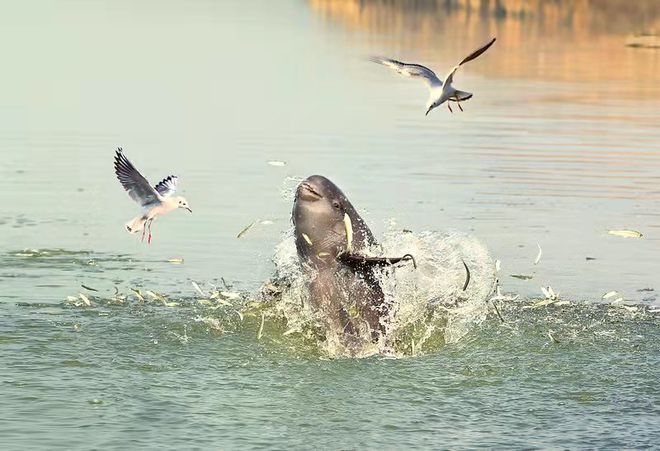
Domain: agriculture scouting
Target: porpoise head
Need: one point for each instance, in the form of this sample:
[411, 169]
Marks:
[319, 217]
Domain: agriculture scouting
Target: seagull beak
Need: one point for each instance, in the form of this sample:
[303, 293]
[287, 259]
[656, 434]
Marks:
[429, 110]
[187, 208]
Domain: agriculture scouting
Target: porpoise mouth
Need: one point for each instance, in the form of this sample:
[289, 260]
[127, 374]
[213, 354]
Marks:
[307, 192]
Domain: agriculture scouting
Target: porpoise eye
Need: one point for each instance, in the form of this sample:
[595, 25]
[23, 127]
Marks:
[336, 205]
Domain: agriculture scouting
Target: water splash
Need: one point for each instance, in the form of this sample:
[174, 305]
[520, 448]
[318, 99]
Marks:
[289, 186]
[432, 297]
[429, 307]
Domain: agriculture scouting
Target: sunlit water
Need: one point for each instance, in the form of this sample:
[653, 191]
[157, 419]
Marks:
[554, 150]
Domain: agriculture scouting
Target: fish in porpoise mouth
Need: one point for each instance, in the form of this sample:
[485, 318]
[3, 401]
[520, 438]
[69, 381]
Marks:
[331, 240]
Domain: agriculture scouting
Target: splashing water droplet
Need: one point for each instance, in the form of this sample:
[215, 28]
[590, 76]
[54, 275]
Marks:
[428, 305]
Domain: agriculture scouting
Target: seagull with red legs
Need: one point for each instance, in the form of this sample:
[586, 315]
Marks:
[154, 201]
[439, 91]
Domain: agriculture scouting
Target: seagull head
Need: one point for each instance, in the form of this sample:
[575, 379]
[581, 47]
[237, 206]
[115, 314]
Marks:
[430, 107]
[183, 203]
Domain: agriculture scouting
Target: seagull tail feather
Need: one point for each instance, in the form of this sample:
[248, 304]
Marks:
[461, 96]
[136, 224]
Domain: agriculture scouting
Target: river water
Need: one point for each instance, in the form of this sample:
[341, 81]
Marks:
[560, 144]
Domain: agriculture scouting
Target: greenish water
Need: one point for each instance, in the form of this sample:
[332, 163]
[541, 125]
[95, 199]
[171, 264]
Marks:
[213, 90]
[151, 376]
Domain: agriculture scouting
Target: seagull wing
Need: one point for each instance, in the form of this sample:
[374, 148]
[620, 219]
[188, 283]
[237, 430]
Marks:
[410, 70]
[450, 76]
[167, 186]
[449, 79]
[133, 182]
[477, 52]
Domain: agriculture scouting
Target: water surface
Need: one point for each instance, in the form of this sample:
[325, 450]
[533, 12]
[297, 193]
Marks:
[559, 144]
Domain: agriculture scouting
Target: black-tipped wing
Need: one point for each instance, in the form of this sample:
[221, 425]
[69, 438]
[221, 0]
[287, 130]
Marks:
[449, 79]
[167, 186]
[477, 52]
[410, 70]
[133, 182]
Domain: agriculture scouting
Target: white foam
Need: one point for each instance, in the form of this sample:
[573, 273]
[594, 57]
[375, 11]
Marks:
[428, 305]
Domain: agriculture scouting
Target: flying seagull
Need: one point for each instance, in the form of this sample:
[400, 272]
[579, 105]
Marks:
[440, 91]
[155, 201]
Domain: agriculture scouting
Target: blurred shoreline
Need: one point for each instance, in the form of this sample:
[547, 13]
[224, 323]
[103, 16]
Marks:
[583, 16]
[569, 40]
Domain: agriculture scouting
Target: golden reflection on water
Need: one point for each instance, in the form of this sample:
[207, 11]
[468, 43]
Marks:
[572, 111]
[570, 40]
